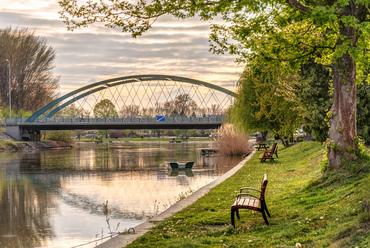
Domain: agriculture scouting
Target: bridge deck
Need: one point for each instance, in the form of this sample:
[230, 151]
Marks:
[117, 123]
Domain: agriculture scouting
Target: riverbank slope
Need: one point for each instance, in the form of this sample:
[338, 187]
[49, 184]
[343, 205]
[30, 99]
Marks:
[8, 145]
[308, 207]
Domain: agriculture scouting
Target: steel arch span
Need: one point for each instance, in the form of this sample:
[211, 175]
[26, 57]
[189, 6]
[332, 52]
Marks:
[141, 95]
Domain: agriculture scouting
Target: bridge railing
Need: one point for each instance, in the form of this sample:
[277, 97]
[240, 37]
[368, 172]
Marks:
[14, 120]
[180, 119]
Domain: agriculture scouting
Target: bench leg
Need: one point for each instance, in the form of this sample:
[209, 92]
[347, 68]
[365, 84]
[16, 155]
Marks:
[233, 216]
[264, 217]
[237, 214]
[265, 208]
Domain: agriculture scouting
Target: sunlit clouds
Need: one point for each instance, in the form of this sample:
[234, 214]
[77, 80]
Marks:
[173, 47]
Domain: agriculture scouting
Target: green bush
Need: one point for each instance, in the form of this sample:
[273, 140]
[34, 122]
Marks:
[60, 135]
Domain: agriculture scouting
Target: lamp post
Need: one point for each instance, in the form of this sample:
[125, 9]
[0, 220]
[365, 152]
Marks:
[10, 91]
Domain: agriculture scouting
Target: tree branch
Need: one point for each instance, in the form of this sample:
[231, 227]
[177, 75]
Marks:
[313, 2]
[297, 5]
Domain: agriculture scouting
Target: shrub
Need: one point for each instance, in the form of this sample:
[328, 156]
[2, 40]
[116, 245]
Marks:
[61, 135]
[115, 134]
[9, 144]
[231, 142]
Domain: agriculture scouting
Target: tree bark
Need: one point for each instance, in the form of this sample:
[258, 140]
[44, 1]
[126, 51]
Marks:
[342, 133]
[264, 135]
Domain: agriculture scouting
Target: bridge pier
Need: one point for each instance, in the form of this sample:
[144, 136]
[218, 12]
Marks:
[31, 135]
[14, 131]
[17, 133]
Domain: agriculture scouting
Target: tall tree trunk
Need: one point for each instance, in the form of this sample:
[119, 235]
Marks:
[264, 135]
[342, 131]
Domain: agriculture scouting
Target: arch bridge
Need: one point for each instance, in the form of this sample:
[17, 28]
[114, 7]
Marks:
[131, 102]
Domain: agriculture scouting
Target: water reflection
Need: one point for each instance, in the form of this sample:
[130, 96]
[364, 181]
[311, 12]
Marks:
[55, 198]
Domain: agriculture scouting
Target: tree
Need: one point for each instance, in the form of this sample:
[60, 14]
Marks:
[2, 124]
[265, 102]
[177, 132]
[314, 95]
[103, 132]
[33, 83]
[184, 104]
[363, 112]
[130, 111]
[287, 31]
[72, 112]
[105, 109]
[315, 98]
[61, 135]
[115, 134]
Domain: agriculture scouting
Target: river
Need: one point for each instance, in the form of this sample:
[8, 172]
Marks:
[78, 196]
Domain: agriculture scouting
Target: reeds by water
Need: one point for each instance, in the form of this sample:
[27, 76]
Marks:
[231, 142]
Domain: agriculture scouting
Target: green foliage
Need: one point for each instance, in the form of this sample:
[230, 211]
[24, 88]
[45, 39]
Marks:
[314, 95]
[71, 111]
[177, 132]
[61, 135]
[4, 111]
[105, 109]
[265, 102]
[363, 112]
[11, 145]
[103, 132]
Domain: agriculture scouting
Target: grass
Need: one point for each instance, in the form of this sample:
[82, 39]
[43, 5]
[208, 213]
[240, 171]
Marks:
[308, 207]
[9, 145]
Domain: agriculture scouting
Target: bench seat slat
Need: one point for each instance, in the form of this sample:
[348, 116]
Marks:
[246, 202]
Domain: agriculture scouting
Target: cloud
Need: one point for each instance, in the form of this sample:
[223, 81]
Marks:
[174, 47]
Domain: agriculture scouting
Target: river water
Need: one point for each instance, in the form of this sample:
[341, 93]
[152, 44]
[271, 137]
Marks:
[79, 196]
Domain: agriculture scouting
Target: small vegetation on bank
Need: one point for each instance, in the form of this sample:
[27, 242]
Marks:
[309, 208]
[231, 142]
[61, 135]
[9, 145]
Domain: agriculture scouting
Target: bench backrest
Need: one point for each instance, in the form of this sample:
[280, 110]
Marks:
[274, 146]
[263, 187]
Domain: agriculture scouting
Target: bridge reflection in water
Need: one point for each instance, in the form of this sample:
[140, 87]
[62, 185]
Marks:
[57, 196]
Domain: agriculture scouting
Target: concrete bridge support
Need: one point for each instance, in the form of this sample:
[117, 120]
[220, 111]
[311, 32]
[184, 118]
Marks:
[17, 133]
[14, 131]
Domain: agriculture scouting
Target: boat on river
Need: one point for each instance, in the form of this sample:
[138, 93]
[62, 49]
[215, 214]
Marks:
[180, 165]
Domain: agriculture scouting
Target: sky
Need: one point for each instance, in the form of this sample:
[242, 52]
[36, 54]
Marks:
[84, 56]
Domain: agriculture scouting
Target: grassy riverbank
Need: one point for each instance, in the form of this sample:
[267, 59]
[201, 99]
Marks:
[307, 206]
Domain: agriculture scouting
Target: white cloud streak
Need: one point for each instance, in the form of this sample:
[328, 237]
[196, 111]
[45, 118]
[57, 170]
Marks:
[174, 47]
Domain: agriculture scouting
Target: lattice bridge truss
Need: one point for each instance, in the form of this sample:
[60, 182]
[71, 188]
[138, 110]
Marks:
[140, 97]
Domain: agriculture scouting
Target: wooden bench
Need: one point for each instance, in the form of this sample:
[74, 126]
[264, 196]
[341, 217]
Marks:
[252, 202]
[269, 154]
[261, 145]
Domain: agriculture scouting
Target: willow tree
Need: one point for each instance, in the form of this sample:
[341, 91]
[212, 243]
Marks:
[290, 30]
[266, 101]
